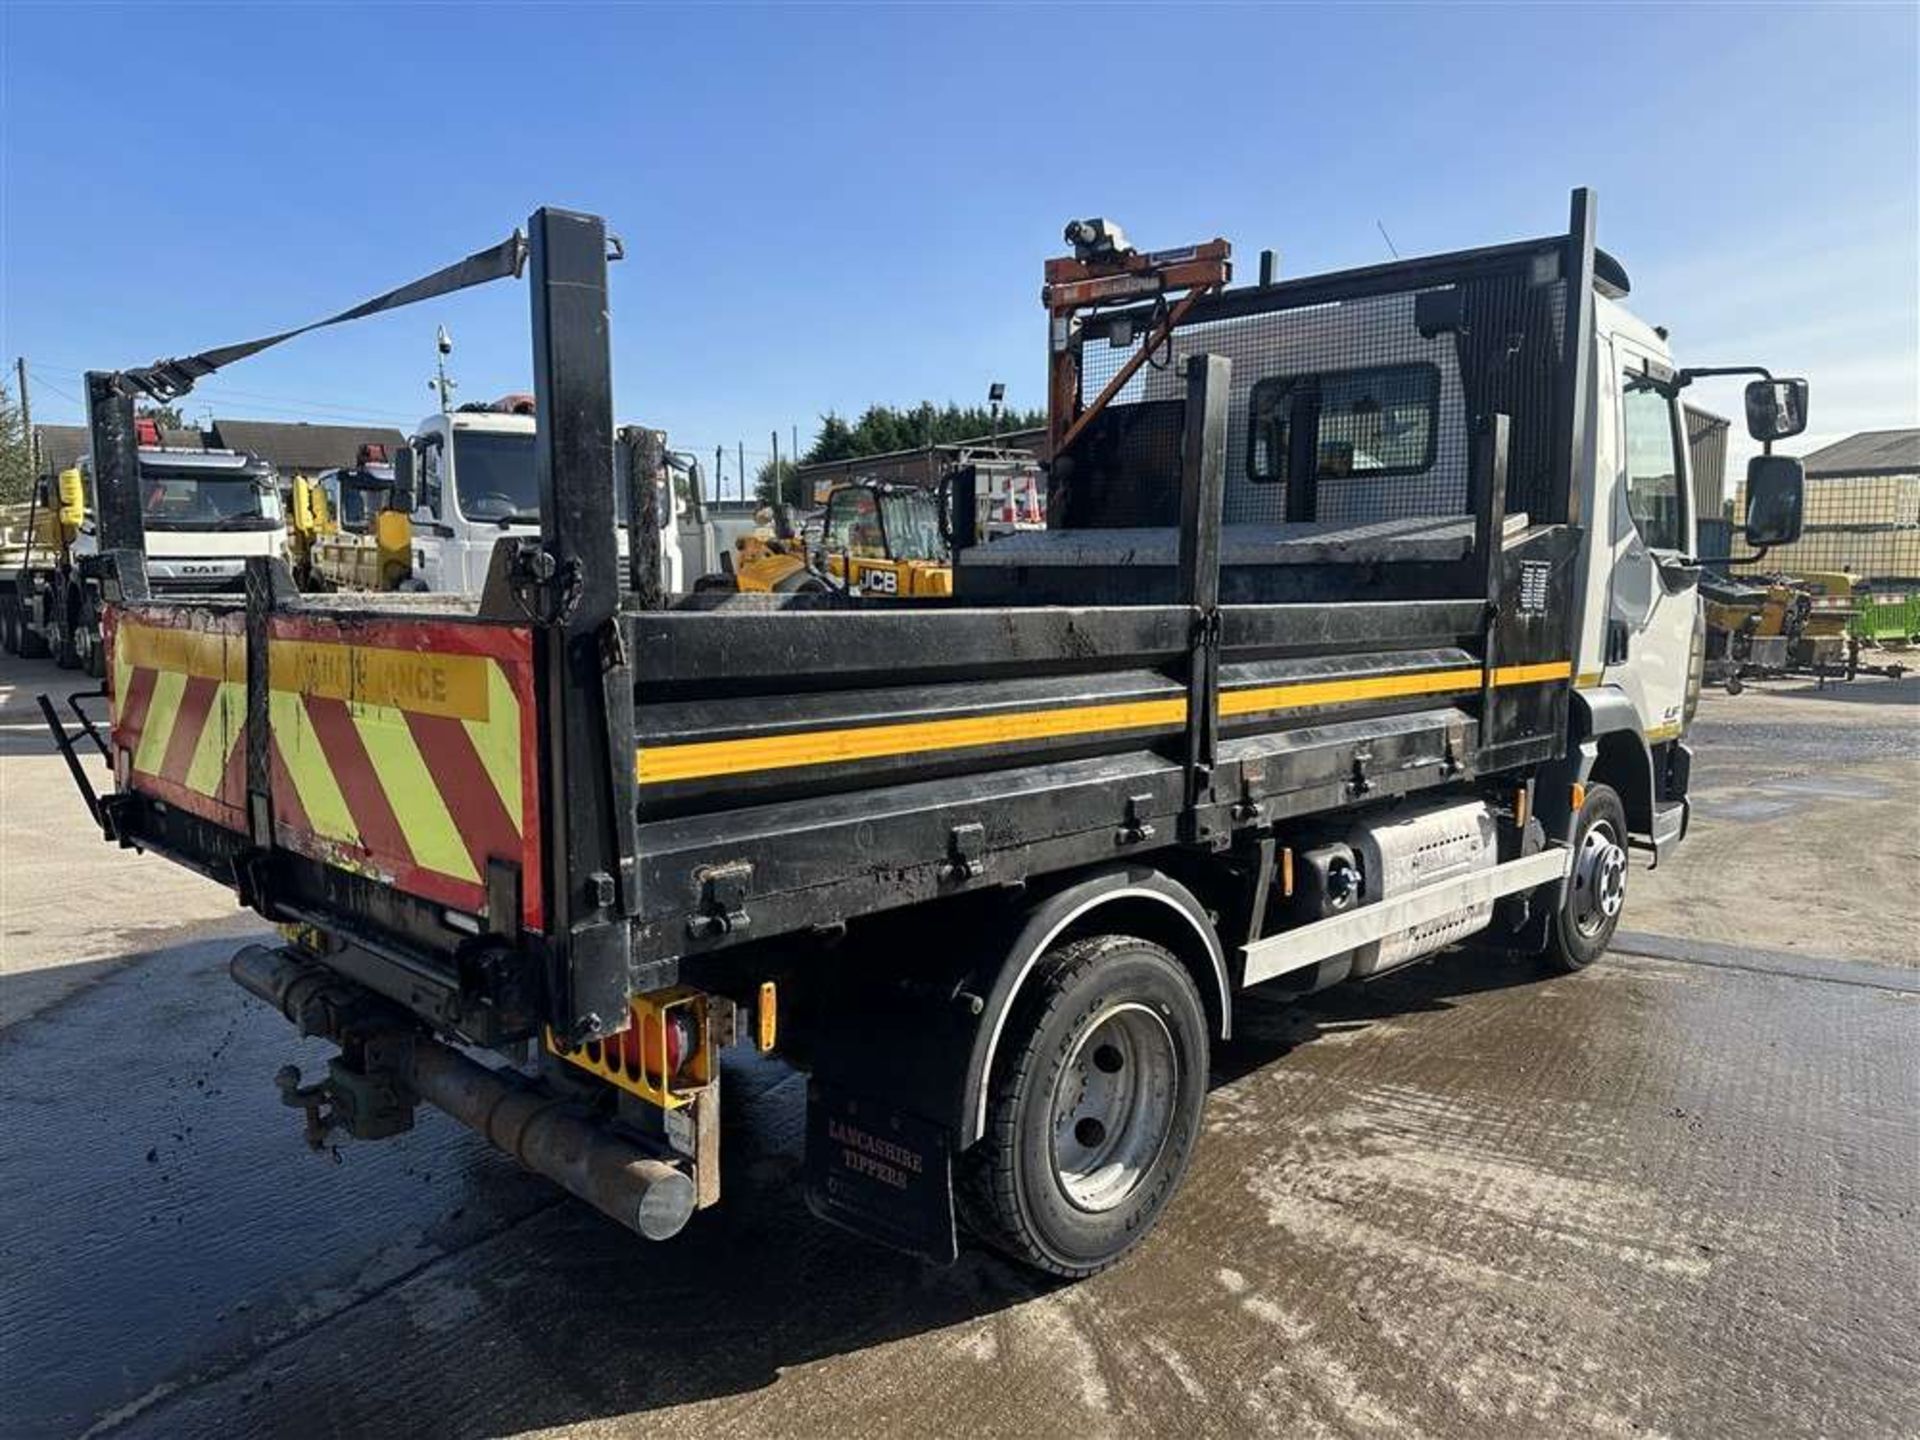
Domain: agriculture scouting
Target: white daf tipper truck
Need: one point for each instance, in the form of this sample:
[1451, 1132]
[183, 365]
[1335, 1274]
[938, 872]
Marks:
[207, 512]
[1365, 622]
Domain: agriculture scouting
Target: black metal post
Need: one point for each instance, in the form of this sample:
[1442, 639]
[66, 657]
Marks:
[1489, 484]
[643, 454]
[1303, 454]
[1203, 469]
[963, 509]
[1576, 361]
[586, 707]
[1488, 478]
[114, 455]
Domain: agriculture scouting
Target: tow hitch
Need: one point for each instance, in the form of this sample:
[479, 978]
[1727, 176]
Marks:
[387, 1065]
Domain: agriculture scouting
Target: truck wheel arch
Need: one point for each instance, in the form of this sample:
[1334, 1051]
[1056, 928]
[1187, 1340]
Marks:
[1131, 900]
[1610, 747]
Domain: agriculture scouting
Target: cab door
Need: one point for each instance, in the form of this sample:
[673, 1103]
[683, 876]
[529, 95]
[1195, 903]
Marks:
[1653, 597]
[434, 567]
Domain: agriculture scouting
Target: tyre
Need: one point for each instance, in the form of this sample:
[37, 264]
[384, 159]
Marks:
[88, 644]
[1596, 890]
[1093, 1109]
[801, 582]
[33, 644]
[66, 653]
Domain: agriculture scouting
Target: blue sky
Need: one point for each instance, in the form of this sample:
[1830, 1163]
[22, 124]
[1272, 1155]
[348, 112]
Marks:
[824, 207]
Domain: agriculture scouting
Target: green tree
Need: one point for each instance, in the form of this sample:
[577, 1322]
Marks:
[16, 451]
[167, 417]
[790, 481]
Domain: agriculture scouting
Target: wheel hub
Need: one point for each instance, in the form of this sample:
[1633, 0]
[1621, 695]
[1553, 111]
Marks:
[1113, 1106]
[1599, 880]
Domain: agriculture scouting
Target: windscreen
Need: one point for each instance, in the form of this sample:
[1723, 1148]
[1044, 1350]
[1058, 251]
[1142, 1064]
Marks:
[198, 499]
[493, 472]
[913, 525]
[360, 495]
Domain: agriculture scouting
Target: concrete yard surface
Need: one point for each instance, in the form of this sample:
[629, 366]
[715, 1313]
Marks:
[1674, 1194]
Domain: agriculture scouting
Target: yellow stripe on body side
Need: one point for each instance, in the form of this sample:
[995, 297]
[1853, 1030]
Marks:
[702, 758]
[1301, 693]
[705, 758]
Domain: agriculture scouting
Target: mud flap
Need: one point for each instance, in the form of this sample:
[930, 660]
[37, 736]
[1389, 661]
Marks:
[880, 1172]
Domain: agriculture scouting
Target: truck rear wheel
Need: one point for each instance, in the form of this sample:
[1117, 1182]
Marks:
[66, 653]
[1094, 1107]
[91, 653]
[1596, 890]
[31, 643]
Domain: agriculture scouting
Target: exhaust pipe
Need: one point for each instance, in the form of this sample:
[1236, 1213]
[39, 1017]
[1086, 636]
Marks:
[620, 1180]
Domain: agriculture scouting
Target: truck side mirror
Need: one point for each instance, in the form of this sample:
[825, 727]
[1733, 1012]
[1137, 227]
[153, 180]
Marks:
[403, 498]
[1776, 409]
[1776, 499]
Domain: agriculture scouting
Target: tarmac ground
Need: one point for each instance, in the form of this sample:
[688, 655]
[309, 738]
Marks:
[1674, 1194]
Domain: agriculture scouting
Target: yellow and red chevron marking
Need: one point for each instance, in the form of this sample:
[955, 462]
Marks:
[179, 707]
[399, 749]
[404, 749]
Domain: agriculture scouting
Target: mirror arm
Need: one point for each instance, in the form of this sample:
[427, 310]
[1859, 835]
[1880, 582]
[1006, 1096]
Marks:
[1691, 373]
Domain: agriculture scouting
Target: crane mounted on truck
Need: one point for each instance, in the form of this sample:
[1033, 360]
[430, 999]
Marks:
[1365, 622]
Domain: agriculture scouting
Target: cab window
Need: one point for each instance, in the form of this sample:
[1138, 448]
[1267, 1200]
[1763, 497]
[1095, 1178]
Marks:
[1653, 465]
[430, 479]
[1378, 421]
[853, 524]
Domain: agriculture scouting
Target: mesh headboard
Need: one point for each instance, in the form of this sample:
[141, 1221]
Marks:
[1341, 409]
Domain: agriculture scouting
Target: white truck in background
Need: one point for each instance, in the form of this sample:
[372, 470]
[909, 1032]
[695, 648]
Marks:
[207, 512]
[474, 484]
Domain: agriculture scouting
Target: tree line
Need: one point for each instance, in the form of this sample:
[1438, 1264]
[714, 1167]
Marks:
[883, 429]
[16, 446]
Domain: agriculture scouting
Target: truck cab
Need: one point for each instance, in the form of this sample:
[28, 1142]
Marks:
[206, 512]
[475, 485]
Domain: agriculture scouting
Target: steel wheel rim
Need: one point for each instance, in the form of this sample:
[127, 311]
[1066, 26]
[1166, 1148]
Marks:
[1599, 880]
[1113, 1106]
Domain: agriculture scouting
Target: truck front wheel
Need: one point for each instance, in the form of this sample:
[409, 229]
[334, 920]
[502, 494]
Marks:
[1095, 1105]
[1596, 889]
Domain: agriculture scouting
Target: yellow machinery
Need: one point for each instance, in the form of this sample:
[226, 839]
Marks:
[886, 540]
[1777, 625]
[876, 539]
[343, 533]
[1813, 610]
